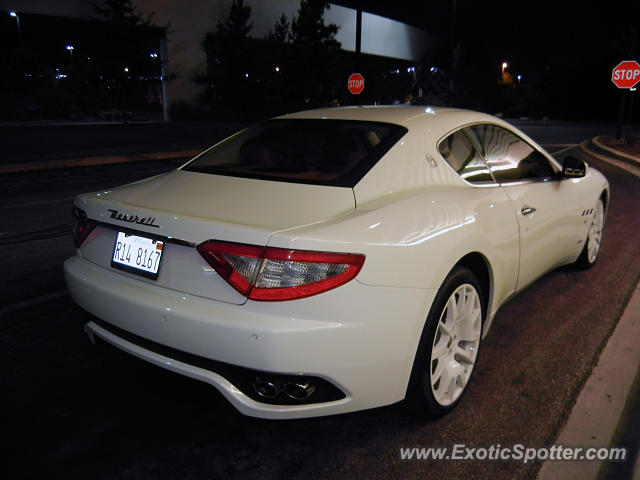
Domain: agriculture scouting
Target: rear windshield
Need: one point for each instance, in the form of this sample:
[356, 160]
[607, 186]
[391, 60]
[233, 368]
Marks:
[320, 152]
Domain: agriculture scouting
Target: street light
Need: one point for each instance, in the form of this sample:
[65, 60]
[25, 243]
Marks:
[504, 65]
[15, 15]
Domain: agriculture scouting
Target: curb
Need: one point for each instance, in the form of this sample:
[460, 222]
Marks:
[601, 403]
[95, 161]
[598, 143]
[621, 164]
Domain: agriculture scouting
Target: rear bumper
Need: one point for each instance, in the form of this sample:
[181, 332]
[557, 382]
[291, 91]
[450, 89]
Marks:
[359, 338]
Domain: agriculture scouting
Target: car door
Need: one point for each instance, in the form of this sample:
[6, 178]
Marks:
[544, 205]
[462, 151]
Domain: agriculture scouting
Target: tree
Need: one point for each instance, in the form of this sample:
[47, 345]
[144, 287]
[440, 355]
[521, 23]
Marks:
[238, 25]
[133, 37]
[308, 28]
[257, 78]
[122, 12]
[231, 90]
[280, 33]
[316, 52]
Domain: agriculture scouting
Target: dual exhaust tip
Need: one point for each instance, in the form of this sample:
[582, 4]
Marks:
[268, 389]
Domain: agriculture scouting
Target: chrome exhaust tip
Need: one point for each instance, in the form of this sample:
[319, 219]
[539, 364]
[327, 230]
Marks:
[265, 388]
[299, 391]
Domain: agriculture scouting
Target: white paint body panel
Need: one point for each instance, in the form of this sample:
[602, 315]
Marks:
[411, 215]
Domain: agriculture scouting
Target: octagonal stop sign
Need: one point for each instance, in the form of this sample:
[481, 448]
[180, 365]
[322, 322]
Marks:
[626, 74]
[355, 84]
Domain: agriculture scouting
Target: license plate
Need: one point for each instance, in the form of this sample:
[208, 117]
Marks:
[137, 254]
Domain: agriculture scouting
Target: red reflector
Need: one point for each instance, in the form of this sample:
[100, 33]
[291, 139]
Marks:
[82, 231]
[273, 274]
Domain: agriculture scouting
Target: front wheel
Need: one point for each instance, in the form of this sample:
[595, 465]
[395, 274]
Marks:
[591, 248]
[449, 345]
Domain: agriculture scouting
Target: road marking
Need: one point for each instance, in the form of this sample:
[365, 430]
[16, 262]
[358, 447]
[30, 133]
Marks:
[568, 147]
[563, 147]
[635, 171]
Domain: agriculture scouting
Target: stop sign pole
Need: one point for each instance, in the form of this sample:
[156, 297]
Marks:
[626, 76]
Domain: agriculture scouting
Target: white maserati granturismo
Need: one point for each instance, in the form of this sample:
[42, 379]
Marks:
[333, 260]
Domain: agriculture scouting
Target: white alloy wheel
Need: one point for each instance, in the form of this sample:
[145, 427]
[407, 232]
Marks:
[595, 233]
[455, 345]
[593, 242]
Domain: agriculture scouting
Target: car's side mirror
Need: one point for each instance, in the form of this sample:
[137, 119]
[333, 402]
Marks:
[573, 167]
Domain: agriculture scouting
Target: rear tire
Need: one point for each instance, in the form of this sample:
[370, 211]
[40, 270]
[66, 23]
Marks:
[449, 345]
[591, 249]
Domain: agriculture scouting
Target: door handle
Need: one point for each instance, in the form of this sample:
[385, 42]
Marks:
[527, 210]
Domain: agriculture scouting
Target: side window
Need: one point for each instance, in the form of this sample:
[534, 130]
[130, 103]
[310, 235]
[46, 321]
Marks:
[459, 152]
[509, 157]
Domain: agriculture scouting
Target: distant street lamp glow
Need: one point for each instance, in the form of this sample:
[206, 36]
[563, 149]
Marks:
[277, 69]
[15, 15]
[519, 77]
[70, 48]
[246, 75]
[126, 69]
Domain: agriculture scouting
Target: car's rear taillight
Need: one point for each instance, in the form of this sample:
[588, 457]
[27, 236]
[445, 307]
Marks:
[82, 226]
[267, 273]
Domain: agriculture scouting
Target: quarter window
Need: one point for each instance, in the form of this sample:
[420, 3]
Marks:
[459, 152]
[509, 157]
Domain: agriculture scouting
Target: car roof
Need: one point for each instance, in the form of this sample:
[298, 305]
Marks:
[403, 115]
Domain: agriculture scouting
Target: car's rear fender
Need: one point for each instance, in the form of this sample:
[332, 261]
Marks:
[414, 241]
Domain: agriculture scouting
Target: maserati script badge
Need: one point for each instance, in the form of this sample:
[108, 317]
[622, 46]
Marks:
[125, 217]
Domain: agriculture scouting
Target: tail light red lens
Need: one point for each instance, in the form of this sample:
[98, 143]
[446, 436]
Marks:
[82, 227]
[273, 274]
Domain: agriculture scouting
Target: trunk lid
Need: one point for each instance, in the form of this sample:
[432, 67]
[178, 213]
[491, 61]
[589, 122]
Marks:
[188, 208]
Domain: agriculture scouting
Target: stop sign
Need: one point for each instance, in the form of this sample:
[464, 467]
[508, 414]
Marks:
[355, 84]
[626, 74]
